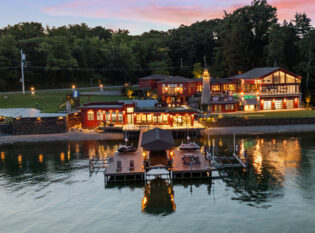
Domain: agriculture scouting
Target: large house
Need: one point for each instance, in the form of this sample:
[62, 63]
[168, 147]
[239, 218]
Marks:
[267, 88]
[136, 112]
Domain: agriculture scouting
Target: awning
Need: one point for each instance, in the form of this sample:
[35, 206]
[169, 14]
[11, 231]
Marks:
[157, 140]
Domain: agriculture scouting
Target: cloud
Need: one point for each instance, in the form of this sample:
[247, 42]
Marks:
[287, 8]
[137, 10]
[166, 12]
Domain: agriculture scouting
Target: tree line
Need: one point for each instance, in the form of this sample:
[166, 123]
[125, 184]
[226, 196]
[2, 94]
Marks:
[250, 36]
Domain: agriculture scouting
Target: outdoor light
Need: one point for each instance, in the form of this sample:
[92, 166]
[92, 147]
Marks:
[2, 155]
[73, 87]
[38, 118]
[40, 158]
[32, 91]
[60, 118]
[101, 87]
[20, 158]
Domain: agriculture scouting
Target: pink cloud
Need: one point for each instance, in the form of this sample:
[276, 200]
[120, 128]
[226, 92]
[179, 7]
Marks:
[154, 13]
[287, 8]
[150, 11]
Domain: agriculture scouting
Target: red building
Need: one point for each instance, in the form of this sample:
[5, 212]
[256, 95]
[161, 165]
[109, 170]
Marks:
[150, 82]
[175, 90]
[100, 114]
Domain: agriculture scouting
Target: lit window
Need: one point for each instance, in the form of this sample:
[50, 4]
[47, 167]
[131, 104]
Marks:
[130, 110]
[165, 118]
[90, 116]
[120, 117]
[99, 116]
[144, 118]
[149, 118]
[215, 87]
[114, 116]
[107, 116]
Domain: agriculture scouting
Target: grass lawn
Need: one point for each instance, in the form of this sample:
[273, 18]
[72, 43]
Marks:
[276, 114]
[47, 102]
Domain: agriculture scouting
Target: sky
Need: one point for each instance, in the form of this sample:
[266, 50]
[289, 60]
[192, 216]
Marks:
[137, 16]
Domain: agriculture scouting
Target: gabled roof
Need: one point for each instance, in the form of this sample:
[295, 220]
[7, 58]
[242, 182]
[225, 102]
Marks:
[155, 77]
[157, 140]
[256, 73]
[177, 79]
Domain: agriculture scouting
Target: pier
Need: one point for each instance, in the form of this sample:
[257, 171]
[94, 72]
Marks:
[170, 162]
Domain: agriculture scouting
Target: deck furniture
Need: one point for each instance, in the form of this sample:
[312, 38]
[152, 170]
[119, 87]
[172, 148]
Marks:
[131, 165]
[119, 167]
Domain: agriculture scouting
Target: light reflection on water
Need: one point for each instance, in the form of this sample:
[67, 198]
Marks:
[55, 176]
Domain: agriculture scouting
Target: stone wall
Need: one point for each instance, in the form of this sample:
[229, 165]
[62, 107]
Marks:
[44, 125]
[5, 128]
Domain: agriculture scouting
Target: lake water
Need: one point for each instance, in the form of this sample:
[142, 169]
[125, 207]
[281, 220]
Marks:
[47, 187]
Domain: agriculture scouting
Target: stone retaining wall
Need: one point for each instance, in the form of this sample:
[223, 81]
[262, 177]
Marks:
[44, 125]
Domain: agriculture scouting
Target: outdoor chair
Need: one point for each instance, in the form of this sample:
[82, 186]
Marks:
[197, 161]
[119, 167]
[132, 165]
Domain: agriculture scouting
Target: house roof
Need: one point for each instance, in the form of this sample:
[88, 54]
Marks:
[255, 73]
[157, 140]
[166, 110]
[177, 79]
[217, 80]
[155, 77]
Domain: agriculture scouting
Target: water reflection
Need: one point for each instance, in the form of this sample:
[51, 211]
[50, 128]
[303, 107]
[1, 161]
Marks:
[272, 162]
[158, 198]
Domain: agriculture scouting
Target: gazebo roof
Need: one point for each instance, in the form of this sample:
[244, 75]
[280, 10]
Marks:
[157, 140]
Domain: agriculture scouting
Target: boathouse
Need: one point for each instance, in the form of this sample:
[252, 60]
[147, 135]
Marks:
[157, 145]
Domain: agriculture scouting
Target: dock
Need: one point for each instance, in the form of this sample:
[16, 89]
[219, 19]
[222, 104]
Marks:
[177, 169]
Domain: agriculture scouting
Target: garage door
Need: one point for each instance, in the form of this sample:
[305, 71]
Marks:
[278, 104]
[267, 105]
[290, 104]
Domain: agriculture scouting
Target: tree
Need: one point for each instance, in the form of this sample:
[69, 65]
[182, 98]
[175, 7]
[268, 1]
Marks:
[9, 59]
[58, 57]
[197, 70]
[302, 24]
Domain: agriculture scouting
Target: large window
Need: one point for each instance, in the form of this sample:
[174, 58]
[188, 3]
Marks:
[120, 117]
[267, 79]
[90, 115]
[215, 87]
[138, 119]
[165, 118]
[107, 116]
[114, 116]
[130, 110]
[229, 107]
[99, 115]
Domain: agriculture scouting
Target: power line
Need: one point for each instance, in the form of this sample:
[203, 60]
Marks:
[96, 69]
[9, 67]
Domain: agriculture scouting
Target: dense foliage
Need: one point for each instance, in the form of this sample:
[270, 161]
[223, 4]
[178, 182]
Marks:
[248, 37]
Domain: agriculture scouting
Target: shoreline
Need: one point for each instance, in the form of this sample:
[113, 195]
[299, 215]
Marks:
[215, 131]
[256, 130]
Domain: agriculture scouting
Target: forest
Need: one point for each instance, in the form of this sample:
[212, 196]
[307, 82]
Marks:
[251, 36]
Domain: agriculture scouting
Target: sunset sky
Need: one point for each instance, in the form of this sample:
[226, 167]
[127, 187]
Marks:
[135, 15]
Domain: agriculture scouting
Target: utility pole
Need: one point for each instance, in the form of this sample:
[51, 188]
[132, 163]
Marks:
[22, 71]
[181, 63]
